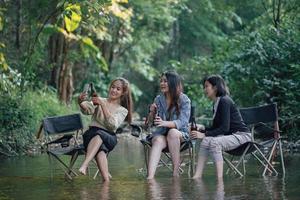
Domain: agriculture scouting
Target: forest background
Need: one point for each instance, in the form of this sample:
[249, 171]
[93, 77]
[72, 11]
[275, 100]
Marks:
[50, 49]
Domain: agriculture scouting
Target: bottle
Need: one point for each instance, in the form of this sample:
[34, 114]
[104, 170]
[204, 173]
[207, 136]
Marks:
[93, 90]
[193, 123]
[193, 119]
[155, 114]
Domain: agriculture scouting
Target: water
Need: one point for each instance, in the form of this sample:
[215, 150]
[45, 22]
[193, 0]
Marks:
[29, 178]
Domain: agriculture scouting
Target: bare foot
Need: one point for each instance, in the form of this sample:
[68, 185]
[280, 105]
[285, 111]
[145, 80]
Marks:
[82, 170]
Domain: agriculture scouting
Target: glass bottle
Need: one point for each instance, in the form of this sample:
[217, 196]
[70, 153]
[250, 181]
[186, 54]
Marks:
[193, 123]
[93, 90]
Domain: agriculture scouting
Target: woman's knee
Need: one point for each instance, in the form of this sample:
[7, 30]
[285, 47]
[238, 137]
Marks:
[215, 145]
[205, 143]
[173, 134]
[159, 141]
[101, 155]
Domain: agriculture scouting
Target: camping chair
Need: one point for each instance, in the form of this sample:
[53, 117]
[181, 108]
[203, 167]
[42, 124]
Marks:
[143, 132]
[263, 122]
[66, 130]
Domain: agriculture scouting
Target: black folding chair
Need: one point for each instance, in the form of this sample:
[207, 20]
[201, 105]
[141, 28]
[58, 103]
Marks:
[263, 122]
[165, 160]
[61, 134]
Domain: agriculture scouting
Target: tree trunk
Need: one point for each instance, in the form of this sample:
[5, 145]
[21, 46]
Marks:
[56, 45]
[18, 23]
[65, 82]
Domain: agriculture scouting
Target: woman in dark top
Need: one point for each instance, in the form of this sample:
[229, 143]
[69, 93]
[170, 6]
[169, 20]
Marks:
[228, 130]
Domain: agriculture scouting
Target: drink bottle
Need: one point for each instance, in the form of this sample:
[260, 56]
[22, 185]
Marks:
[93, 90]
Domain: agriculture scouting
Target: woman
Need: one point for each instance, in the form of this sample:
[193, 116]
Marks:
[228, 129]
[173, 112]
[107, 116]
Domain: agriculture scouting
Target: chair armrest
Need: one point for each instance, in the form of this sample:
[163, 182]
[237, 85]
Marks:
[64, 140]
[262, 127]
[136, 130]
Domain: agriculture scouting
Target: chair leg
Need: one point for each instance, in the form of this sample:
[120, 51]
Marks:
[51, 167]
[192, 160]
[268, 164]
[165, 164]
[72, 161]
[233, 167]
[243, 158]
[66, 167]
[281, 157]
[260, 161]
[146, 156]
[244, 167]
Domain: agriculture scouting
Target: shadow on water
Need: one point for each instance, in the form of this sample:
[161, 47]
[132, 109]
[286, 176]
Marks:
[29, 178]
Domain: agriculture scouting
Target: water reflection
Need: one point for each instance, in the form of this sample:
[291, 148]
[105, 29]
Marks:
[177, 188]
[165, 189]
[205, 193]
[275, 186]
[20, 175]
[91, 191]
[154, 189]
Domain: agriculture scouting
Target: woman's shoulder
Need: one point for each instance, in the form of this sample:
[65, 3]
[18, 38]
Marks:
[184, 97]
[226, 100]
[159, 96]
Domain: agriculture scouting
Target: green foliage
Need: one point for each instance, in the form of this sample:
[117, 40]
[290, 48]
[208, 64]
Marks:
[15, 120]
[10, 80]
[72, 17]
[139, 40]
[20, 118]
[263, 67]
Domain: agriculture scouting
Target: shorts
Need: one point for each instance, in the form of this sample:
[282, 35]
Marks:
[185, 137]
[164, 131]
[109, 139]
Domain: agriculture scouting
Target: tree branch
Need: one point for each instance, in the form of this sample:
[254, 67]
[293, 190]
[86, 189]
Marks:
[31, 47]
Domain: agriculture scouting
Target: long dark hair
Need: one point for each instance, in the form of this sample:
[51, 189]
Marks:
[175, 89]
[218, 82]
[126, 98]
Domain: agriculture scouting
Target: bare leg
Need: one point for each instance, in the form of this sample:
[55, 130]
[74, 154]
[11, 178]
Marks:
[173, 140]
[92, 149]
[200, 166]
[158, 144]
[203, 154]
[102, 163]
[219, 170]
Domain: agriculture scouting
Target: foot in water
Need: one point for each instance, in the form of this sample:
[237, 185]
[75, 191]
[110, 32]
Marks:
[82, 170]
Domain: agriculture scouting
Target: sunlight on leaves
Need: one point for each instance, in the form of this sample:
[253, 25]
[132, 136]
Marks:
[72, 17]
[119, 10]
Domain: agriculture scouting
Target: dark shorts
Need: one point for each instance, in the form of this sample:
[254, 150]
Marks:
[109, 139]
